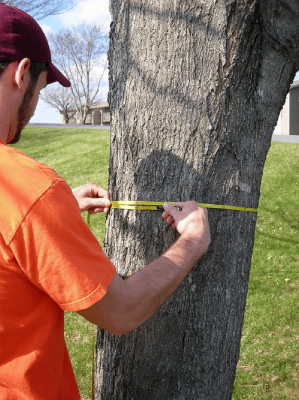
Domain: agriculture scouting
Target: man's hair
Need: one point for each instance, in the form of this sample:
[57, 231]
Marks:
[36, 68]
[3, 65]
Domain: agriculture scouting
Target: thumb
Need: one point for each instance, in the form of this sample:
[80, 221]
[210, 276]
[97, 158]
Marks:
[96, 202]
[171, 209]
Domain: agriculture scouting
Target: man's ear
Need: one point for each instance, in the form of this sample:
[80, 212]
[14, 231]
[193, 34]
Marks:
[22, 73]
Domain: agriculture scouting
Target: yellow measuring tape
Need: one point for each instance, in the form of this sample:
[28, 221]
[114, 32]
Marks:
[158, 205]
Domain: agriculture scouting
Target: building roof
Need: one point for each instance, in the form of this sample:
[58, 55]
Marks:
[104, 104]
[294, 84]
[99, 104]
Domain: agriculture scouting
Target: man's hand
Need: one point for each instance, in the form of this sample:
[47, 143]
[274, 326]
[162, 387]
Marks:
[92, 198]
[129, 303]
[192, 220]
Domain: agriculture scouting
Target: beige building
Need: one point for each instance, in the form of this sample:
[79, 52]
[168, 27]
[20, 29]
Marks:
[288, 121]
[99, 114]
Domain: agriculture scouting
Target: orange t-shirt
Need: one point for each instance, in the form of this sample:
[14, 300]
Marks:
[49, 262]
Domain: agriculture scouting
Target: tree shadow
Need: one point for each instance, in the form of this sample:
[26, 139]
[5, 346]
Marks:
[120, 50]
[162, 176]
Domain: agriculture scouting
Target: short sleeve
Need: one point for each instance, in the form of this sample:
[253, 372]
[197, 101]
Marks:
[57, 252]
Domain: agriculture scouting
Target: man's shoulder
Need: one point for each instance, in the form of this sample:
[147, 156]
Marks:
[22, 181]
[24, 168]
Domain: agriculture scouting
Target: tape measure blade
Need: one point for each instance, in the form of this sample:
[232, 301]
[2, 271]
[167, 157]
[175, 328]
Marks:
[158, 205]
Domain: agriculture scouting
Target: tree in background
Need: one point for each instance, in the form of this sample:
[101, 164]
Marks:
[196, 88]
[61, 99]
[40, 9]
[80, 53]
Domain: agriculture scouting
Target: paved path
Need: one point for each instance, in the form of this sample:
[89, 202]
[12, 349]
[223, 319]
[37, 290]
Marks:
[275, 138]
[285, 138]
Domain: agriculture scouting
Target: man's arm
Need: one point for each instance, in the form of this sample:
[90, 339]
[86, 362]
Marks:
[92, 198]
[129, 303]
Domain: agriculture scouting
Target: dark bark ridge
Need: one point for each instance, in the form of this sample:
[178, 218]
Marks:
[195, 92]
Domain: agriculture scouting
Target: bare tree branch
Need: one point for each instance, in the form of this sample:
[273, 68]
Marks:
[40, 9]
[78, 52]
[61, 99]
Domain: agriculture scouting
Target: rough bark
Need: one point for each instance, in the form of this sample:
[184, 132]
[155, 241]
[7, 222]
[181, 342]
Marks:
[196, 88]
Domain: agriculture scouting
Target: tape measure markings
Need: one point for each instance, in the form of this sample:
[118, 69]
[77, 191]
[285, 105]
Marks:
[158, 205]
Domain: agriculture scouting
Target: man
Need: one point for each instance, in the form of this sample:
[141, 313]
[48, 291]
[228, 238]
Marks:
[49, 260]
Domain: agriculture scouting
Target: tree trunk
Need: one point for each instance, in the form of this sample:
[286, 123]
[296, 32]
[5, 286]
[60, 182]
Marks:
[66, 116]
[196, 88]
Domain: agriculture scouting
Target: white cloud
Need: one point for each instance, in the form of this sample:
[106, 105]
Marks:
[90, 11]
[46, 28]
[97, 72]
[99, 66]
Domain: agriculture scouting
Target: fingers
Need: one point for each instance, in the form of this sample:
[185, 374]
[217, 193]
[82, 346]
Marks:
[103, 193]
[184, 215]
[170, 220]
[168, 214]
[171, 209]
[97, 210]
[187, 204]
[92, 198]
[97, 191]
[102, 200]
[96, 205]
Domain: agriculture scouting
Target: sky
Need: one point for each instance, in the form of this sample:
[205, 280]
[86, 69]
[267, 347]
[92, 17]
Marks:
[93, 11]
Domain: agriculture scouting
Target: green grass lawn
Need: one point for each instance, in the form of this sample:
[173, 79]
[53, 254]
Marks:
[269, 360]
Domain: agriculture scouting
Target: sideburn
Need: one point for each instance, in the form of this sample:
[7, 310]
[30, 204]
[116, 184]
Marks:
[24, 112]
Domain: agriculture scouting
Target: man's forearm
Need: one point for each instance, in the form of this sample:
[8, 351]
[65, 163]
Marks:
[128, 304]
[150, 287]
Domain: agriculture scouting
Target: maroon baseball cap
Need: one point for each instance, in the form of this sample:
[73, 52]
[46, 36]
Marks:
[22, 37]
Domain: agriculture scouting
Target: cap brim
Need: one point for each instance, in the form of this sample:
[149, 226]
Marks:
[54, 75]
